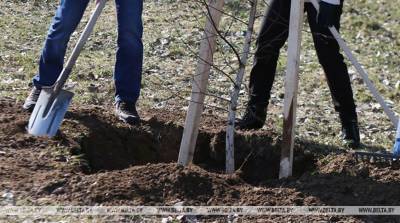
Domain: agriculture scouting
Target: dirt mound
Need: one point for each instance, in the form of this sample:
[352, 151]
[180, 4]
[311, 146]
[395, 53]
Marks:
[95, 159]
[156, 184]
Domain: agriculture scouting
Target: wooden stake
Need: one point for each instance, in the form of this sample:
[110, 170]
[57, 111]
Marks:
[291, 87]
[230, 130]
[200, 82]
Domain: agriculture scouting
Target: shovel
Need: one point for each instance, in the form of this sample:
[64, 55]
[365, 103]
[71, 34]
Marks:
[53, 101]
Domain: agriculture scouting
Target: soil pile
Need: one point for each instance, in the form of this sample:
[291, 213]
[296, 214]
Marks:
[96, 160]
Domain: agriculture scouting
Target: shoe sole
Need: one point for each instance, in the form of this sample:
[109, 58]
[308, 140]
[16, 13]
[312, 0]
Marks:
[29, 108]
[247, 128]
[130, 121]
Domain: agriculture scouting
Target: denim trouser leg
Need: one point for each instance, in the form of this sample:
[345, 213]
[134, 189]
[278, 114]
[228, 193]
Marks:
[128, 67]
[67, 17]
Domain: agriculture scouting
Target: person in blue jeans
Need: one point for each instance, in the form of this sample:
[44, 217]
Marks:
[129, 55]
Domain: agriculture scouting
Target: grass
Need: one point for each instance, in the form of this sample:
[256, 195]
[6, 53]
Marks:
[171, 40]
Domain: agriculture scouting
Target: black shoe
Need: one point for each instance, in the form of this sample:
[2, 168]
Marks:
[351, 134]
[31, 100]
[253, 118]
[127, 113]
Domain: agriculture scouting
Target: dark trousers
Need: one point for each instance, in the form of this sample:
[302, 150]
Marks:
[273, 36]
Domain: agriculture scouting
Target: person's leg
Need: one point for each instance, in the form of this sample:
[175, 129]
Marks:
[272, 37]
[332, 61]
[128, 67]
[67, 18]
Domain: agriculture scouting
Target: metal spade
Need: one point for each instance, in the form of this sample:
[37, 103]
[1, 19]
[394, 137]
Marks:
[53, 101]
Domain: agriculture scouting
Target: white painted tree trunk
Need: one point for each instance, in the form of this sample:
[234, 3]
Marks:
[230, 130]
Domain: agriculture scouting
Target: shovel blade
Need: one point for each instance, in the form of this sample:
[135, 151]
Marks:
[396, 148]
[49, 112]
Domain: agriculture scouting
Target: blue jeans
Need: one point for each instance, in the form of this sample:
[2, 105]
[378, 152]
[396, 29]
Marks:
[129, 61]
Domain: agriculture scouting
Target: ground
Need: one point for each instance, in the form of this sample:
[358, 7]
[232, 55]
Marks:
[94, 159]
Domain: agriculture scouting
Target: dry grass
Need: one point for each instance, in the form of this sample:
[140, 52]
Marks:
[172, 33]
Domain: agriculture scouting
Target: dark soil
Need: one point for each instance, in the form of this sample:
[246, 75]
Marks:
[95, 160]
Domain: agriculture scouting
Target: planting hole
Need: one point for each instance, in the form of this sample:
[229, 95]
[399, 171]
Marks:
[107, 147]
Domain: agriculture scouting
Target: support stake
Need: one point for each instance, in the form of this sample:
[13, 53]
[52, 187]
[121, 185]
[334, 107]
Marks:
[200, 82]
[291, 87]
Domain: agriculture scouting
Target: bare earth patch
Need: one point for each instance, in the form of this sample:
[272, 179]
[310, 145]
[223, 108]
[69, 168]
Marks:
[95, 160]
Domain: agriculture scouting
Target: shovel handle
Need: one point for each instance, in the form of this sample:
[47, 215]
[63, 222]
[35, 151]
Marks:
[389, 112]
[100, 4]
